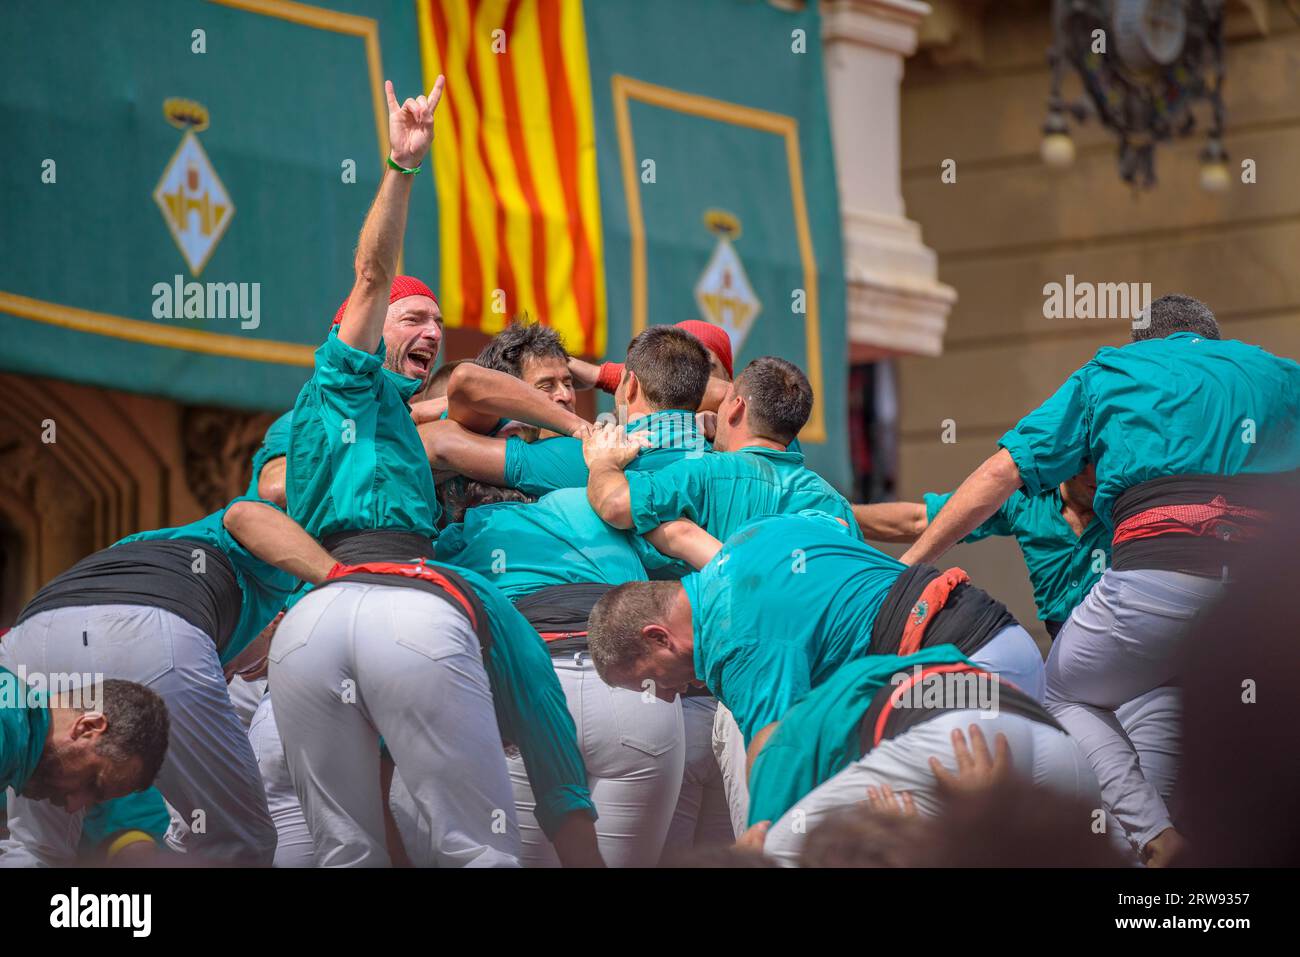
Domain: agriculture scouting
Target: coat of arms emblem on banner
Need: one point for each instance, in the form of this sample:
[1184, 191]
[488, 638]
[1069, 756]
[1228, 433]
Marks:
[723, 292]
[193, 200]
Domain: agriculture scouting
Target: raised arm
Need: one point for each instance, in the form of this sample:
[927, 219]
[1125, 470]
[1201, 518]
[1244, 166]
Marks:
[410, 133]
[584, 373]
[478, 397]
[278, 540]
[891, 521]
[982, 494]
[684, 540]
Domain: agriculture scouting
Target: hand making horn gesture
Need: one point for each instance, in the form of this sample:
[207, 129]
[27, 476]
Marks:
[410, 126]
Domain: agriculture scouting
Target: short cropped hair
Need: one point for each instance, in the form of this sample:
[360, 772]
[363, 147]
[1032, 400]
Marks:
[438, 382]
[1171, 314]
[614, 626]
[524, 338]
[777, 396]
[672, 367]
[138, 726]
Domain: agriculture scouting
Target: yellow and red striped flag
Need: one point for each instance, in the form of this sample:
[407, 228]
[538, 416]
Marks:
[519, 203]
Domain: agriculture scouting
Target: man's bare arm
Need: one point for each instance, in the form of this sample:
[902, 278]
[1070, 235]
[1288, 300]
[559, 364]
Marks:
[453, 448]
[477, 398]
[684, 540]
[410, 132]
[584, 373]
[278, 540]
[428, 410]
[891, 521]
[982, 494]
[270, 481]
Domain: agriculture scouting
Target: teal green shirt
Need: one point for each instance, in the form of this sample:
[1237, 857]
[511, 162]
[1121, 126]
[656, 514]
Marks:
[1182, 405]
[557, 540]
[785, 602]
[1062, 566]
[355, 458]
[141, 811]
[264, 587]
[531, 709]
[723, 491]
[24, 723]
[820, 735]
[275, 444]
[549, 464]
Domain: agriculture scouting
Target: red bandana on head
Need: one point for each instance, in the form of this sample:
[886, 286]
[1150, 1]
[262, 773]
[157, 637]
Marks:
[403, 286]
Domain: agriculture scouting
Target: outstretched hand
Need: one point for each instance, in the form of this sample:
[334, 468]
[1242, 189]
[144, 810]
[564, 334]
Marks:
[977, 768]
[410, 125]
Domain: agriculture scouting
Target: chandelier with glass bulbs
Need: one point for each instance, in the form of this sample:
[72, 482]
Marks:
[1147, 66]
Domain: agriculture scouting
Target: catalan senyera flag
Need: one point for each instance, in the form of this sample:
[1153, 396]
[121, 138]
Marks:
[515, 165]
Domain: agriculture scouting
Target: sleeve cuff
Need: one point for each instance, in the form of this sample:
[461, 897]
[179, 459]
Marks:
[514, 467]
[641, 508]
[337, 355]
[560, 801]
[1023, 456]
[611, 373]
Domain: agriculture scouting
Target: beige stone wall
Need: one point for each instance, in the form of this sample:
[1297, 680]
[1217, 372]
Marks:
[1009, 225]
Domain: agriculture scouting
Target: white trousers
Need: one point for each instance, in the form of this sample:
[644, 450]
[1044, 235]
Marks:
[1012, 654]
[1038, 751]
[634, 748]
[293, 846]
[209, 778]
[352, 662]
[729, 751]
[1119, 644]
[702, 817]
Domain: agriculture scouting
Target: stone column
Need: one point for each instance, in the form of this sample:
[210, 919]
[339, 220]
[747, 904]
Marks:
[896, 303]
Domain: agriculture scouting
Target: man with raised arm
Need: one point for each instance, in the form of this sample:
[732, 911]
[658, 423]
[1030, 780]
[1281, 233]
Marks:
[435, 661]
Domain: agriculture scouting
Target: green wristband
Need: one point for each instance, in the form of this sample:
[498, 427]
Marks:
[401, 169]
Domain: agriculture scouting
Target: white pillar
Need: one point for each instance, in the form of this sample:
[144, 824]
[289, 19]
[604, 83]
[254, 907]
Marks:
[896, 303]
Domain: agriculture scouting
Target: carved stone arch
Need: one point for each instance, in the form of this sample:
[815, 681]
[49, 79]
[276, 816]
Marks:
[98, 480]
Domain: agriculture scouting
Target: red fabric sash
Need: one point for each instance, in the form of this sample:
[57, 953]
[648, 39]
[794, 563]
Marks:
[896, 696]
[933, 597]
[1213, 519]
[409, 570]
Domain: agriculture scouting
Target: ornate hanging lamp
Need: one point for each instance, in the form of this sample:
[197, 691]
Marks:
[1146, 67]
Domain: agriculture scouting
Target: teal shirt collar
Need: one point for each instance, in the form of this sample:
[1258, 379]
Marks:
[781, 455]
[405, 385]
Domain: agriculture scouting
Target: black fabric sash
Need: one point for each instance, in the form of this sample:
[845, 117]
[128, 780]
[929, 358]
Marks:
[158, 573]
[968, 619]
[1011, 700]
[377, 545]
[562, 609]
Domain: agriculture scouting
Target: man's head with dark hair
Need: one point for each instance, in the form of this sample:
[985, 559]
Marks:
[666, 368]
[103, 742]
[770, 399]
[1171, 314]
[534, 353]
